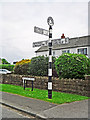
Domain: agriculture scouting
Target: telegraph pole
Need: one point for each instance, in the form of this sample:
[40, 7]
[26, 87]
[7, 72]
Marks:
[50, 23]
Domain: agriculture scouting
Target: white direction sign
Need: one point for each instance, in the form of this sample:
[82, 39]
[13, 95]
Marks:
[54, 42]
[38, 44]
[41, 31]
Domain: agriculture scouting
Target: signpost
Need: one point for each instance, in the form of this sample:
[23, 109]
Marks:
[50, 43]
[38, 44]
[41, 31]
[50, 22]
[54, 42]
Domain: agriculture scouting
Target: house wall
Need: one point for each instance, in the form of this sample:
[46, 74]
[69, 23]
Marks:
[45, 53]
[59, 52]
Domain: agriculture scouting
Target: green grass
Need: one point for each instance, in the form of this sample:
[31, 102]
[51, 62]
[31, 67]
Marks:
[57, 97]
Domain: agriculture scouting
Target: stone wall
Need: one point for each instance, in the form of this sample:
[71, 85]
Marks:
[76, 86]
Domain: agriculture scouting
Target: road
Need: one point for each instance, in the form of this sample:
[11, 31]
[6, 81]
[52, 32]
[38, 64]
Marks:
[6, 112]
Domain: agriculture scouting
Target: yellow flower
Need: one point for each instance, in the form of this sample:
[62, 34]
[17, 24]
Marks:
[23, 62]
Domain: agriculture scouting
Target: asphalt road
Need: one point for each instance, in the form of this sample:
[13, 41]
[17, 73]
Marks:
[6, 112]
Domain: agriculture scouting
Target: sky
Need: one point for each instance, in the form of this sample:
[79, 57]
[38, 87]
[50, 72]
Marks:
[18, 18]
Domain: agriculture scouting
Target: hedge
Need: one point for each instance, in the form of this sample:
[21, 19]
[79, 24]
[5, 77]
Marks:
[72, 65]
[37, 66]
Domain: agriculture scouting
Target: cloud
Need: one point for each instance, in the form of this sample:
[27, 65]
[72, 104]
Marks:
[18, 20]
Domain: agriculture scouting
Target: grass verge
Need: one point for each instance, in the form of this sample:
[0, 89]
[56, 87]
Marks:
[57, 97]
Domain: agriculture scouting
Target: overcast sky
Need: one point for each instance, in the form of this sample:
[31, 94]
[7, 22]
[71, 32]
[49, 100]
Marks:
[18, 18]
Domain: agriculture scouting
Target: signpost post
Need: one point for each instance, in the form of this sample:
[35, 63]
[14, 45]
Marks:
[50, 22]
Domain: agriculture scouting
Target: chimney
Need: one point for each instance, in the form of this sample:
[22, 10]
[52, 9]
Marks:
[62, 36]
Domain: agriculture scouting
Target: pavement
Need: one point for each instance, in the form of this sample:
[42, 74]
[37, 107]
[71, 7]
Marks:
[43, 110]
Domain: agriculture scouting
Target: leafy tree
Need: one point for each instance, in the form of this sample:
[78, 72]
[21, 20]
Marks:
[4, 61]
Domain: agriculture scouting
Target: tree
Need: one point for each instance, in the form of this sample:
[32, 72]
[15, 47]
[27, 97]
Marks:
[4, 61]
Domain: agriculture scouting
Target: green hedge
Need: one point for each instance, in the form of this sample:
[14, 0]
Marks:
[37, 67]
[7, 66]
[72, 65]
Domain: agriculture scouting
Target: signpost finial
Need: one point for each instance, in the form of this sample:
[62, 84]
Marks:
[50, 21]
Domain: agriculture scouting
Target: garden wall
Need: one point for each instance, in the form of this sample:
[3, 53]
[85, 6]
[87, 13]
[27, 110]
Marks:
[76, 86]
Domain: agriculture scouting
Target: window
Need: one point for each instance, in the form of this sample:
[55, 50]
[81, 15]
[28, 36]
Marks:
[82, 51]
[66, 51]
[85, 51]
[53, 53]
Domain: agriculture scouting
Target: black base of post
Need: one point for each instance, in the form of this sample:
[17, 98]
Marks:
[32, 85]
[50, 94]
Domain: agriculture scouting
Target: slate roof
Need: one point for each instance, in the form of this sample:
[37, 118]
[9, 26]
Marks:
[73, 42]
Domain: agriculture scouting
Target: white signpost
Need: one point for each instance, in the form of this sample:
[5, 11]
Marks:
[41, 43]
[54, 42]
[41, 31]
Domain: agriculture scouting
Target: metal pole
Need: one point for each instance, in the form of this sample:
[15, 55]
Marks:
[50, 64]
[32, 85]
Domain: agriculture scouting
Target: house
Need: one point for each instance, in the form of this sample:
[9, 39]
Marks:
[80, 45]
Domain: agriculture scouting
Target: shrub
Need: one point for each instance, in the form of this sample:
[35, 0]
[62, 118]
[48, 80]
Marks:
[22, 66]
[37, 66]
[72, 65]
[7, 66]
[88, 67]
[24, 61]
